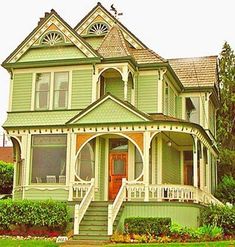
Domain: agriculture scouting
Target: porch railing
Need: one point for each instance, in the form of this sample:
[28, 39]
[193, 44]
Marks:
[78, 189]
[80, 209]
[114, 208]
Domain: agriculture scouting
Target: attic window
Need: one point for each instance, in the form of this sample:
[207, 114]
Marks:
[52, 38]
[98, 29]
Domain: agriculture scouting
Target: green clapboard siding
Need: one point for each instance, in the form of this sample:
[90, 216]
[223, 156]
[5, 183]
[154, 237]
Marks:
[170, 164]
[180, 213]
[95, 42]
[115, 87]
[52, 53]
[109, 112]
[147, 93]
[81, 88]
[179, 107]
[101, 169]
[36, 194]
[22, 92]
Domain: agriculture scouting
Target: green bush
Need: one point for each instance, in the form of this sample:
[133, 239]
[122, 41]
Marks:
[6, 177]
[153, 226]
[226, 190]
[51, 214]
[221, 216]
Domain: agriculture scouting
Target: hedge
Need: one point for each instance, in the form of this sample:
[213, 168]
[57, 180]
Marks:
[153, 226]
[6, 177]
[221, 216]
[51, 214]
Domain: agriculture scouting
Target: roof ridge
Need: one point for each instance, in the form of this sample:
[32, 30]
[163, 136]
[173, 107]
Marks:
[157, 55]
[209, 56]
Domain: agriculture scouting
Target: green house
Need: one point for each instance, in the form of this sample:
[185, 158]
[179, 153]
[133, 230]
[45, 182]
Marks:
[100, 121]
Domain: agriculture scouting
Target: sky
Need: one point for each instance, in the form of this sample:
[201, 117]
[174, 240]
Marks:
[172, 28]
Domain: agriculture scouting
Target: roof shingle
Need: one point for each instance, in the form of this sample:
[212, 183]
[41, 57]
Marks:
[196, 71]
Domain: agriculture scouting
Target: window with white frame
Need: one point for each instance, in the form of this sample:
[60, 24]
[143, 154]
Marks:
[48, 158]
[193, 109]
[42, 91]
[51, 89]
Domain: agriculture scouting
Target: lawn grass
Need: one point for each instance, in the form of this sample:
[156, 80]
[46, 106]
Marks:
[202, 244]
[26, 243]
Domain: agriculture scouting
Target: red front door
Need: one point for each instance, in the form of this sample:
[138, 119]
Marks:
[117, 171]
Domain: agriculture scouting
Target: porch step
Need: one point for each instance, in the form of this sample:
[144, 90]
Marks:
[94, 225]
[85, 242]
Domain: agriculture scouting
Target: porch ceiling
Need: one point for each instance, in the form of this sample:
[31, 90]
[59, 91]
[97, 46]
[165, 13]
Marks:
[180, 139]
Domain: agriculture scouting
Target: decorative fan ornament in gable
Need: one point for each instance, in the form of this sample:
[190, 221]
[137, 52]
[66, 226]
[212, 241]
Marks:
[63, 30]
[52, 38]
[98, 29]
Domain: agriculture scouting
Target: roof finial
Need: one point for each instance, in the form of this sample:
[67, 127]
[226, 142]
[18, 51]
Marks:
[116, 13]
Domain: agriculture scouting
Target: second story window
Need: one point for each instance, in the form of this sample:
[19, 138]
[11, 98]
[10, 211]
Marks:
[193, 109]
[42, 91]
[61, 80]
[51, 90]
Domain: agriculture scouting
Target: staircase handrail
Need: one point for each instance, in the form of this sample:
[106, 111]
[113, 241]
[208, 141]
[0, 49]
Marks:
[114, 208]
[80, 209]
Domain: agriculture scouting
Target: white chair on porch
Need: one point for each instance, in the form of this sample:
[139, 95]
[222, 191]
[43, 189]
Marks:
[51, 179]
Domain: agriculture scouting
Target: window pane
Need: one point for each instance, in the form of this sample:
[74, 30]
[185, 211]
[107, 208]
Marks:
[193, 109]
[48, 159]
[138, 163]
[86, 161]
[61, 90]
[119, 167]
[42, 90]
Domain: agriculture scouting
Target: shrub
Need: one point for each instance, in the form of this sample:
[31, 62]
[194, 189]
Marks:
[209, 232]
[51, 214]
[226, 190]
[6, 177]
[152, 226]
[221, 216]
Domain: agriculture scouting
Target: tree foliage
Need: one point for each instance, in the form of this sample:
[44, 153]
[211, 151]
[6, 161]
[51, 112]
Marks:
[226, 112]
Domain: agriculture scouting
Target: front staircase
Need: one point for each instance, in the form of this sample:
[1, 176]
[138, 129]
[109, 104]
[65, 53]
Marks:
[94, 225]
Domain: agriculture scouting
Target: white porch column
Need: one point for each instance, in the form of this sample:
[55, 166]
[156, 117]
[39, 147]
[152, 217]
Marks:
[195, 169]
[146, 164]
[95, 79]
[202, 168]
[209, 171]
[159, 159]
[72, 164]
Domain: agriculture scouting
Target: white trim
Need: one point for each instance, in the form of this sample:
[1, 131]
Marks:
[201, 165]
[28, 154]
[154, 146]
[11, 92]
[146, 162]
[68, 156]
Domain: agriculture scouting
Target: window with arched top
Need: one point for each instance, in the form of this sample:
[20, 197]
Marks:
[52, 38]
[85, 162]
[98, 29]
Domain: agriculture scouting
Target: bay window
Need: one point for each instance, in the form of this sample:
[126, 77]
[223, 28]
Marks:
[51, 90]
[48, 158]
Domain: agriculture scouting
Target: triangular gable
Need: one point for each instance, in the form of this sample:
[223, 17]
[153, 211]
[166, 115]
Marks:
[99, 14]
[109, 109]
[54, 22]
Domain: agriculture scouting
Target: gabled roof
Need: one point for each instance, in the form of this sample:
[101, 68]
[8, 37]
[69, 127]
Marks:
[196, 71]
[109, 109]
[114, 44]
[131, 38]
[43, 25]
